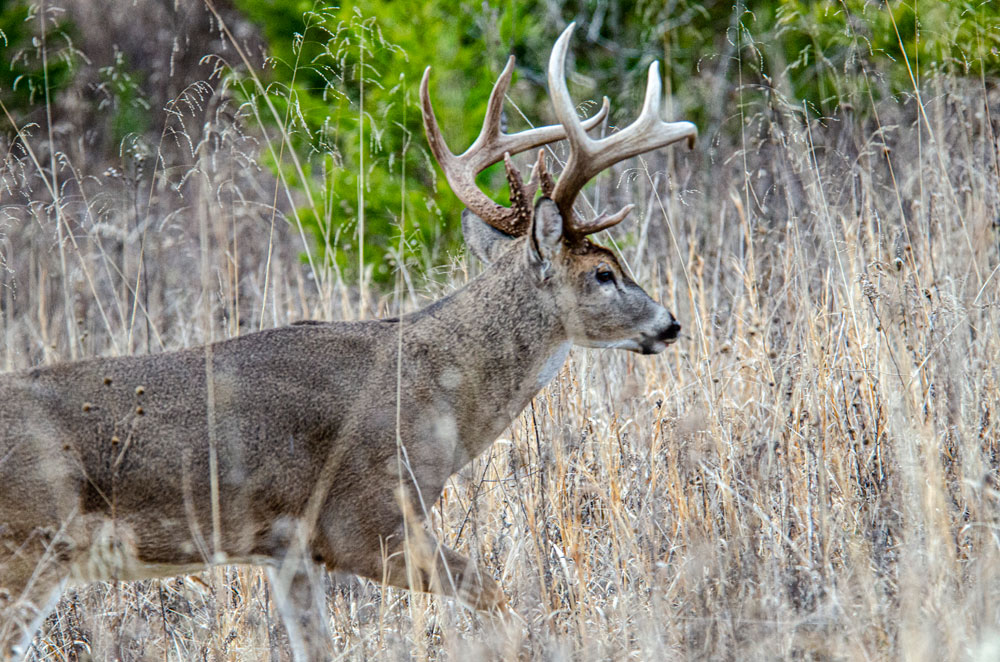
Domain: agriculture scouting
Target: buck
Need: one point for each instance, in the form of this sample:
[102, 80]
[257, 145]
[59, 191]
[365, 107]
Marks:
[307, 447]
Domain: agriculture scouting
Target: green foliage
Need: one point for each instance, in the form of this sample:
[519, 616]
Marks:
[129, 108]
[343, 84]
[821, 52]
[835, 47]
[34, 57]
[345, 89]
[23, 72]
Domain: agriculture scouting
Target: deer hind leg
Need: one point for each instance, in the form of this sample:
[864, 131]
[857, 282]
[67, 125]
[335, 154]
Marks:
[34, 570]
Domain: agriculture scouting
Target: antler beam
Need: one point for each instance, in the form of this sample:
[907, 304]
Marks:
[588, 157]
[489, 148]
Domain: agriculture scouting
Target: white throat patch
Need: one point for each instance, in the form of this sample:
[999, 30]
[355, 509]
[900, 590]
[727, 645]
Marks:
[553, 364]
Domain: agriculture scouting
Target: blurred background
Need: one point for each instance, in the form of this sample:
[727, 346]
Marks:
[811, 473]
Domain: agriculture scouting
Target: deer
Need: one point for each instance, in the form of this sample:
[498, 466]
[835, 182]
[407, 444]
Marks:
[314, 447]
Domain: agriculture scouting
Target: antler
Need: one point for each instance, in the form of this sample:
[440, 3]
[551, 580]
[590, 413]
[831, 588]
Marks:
[588, 157]
[489, 148]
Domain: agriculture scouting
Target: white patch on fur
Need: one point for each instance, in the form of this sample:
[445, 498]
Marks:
[446, 430]
[450, 379]
[553, 364]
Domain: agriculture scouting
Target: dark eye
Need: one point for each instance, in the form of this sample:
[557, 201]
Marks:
[604, 276]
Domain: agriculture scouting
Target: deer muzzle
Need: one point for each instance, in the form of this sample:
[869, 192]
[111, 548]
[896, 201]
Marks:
[664, 333]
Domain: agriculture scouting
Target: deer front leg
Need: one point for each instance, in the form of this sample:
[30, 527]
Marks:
[298, 587]
[381, 537]
[431, 567]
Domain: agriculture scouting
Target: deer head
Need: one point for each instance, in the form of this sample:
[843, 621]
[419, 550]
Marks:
[595, 299]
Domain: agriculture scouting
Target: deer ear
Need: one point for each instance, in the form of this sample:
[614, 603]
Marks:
[546, 235]
[485, 241]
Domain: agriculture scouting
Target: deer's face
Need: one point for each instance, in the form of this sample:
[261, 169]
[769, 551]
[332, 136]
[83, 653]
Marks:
[604, 307]
[598, 304]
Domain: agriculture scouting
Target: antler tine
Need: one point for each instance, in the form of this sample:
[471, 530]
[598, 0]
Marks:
[540, 175]
[602, 222]
[488, 148]
[588, 157]
[521, 196]
[491, 133]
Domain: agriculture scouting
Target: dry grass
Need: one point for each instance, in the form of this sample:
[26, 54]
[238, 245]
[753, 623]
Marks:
[811, 473]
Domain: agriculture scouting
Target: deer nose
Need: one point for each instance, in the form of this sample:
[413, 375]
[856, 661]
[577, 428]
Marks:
[671, 331]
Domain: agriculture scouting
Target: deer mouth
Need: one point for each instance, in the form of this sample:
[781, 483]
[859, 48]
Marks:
[657, 342]
[644, 343]
[647, 345]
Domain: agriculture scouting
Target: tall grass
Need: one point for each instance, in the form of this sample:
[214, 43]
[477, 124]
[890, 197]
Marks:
[810, 473]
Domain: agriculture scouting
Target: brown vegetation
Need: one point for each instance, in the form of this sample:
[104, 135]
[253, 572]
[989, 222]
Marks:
[811, 473]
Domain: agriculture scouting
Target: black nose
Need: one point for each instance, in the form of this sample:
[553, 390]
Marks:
[670, 333]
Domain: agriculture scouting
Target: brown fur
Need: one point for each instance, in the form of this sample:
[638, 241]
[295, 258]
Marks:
[109, 465]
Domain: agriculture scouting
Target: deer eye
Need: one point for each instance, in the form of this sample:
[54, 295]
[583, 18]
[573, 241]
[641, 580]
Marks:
[604, 275]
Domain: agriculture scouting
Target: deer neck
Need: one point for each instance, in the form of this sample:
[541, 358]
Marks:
[495, 343]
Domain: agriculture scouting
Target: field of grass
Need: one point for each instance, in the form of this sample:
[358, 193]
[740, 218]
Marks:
[811, 472]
